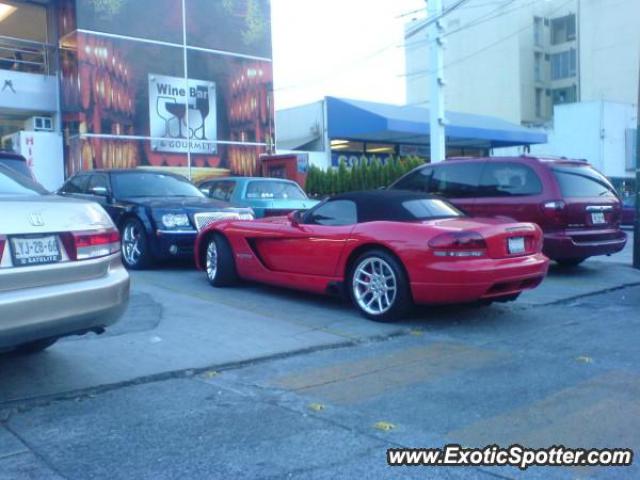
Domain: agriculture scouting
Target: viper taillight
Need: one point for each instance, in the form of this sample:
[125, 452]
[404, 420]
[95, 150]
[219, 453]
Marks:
[458, 244]
[91, 244]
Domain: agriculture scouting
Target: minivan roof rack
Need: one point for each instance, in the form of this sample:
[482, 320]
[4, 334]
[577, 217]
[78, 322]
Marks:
[561, 158]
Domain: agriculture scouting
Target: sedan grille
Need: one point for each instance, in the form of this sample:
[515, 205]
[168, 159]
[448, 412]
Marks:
[202, 220]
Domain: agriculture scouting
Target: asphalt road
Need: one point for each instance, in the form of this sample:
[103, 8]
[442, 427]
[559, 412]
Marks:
[256, 382]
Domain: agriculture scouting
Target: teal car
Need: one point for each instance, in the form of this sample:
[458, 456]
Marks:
[266, 196]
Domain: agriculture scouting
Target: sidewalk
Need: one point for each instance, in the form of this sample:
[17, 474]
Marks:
[597, 274]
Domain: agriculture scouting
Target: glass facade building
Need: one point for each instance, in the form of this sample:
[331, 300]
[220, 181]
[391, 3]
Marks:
[180, 84]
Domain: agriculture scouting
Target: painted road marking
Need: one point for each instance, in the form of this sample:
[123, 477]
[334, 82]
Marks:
[357, 381]
[601, 412]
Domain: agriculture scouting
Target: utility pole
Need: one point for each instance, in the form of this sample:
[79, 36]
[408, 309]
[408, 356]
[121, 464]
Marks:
[436, 102]
[636, 229]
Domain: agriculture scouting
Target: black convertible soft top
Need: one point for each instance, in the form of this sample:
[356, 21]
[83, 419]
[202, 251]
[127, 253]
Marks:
[395, 206]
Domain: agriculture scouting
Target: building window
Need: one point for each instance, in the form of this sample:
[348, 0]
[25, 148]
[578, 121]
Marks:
[563, 65]
[347, 145]
[537, 67]
[23, 38]
[380, 148]
[564, 95]
[563, 29]
[539, 112]
[537, 31]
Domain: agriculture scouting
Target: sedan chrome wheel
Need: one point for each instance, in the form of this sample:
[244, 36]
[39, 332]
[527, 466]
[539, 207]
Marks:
[131, 243]
[374, 286]
[212, 260]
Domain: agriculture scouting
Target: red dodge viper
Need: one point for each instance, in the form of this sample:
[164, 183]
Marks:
[385, 249]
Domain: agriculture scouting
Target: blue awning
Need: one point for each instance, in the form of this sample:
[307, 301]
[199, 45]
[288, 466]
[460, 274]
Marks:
[379, 122]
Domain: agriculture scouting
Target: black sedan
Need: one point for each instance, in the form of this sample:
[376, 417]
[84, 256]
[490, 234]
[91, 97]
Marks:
[158, 213]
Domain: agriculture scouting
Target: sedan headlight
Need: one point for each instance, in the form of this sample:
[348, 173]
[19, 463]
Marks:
[174, 220]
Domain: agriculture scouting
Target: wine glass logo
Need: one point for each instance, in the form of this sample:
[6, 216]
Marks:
[164, 113]
[178, 110]
[202, 105]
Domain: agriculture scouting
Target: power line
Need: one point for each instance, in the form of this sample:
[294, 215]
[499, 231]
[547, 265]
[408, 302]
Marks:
[421, 73]
[473, 4]
[430, 21]
[368, 57]
[486, 17]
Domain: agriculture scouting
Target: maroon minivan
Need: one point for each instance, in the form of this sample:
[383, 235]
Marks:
[575, 205]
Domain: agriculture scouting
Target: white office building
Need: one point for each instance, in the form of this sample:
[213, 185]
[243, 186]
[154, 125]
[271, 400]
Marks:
[522, 61]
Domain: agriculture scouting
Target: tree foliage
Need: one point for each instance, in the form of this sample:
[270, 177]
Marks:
[363, 175]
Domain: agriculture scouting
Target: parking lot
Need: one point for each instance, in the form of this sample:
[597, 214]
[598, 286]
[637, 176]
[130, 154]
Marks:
[310, 371]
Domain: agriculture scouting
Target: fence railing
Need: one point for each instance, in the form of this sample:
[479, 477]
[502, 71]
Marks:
[25, 56]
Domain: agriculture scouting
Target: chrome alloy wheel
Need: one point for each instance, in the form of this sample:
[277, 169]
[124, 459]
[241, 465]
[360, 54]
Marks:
[131, 241]
[212, 260]
[374, 286]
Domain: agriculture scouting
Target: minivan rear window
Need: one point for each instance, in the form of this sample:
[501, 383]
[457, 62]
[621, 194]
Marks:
[509, 179]
[582, 181]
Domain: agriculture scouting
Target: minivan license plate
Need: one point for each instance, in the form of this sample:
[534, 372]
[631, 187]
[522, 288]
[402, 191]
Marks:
[35, 250]
[598, 218]
[516, 245]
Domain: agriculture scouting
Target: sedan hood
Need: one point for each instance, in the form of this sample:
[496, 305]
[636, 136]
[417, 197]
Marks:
[186, 203]
[283, 204]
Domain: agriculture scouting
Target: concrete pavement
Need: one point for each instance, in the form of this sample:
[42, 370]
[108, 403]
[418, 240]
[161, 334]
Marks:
[538, 376]
[177, 322]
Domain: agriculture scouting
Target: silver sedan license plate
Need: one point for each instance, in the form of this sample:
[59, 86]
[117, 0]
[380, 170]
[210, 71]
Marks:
[516, 245]
[35, 250]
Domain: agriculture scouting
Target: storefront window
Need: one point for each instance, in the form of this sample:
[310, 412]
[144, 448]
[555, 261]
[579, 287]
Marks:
[380, 148]
[346, 146]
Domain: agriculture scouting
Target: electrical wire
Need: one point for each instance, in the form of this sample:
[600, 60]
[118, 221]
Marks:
[486, 17]
[430, 21]
[421, 73]
[368, 57]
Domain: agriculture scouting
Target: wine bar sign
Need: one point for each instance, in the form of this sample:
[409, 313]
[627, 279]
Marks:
[182, 115]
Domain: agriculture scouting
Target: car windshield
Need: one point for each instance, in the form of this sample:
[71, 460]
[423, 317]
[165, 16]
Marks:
[12, 183]
[274, 190]
[582, 181]
[152, 184]
[17, 164]
[403, 207]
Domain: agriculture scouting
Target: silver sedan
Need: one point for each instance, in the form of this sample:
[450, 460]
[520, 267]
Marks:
[60, 267]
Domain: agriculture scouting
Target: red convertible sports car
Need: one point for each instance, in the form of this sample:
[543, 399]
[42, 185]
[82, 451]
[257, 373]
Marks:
[385, 249]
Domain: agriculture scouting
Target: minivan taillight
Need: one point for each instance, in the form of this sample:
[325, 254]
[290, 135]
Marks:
[91, 244]
[555, 211]
[3, 241]
[458, 244]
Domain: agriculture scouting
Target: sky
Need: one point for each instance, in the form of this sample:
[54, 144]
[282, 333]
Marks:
[346, 48]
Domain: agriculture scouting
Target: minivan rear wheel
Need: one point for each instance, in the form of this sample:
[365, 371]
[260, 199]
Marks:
[570, 262]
